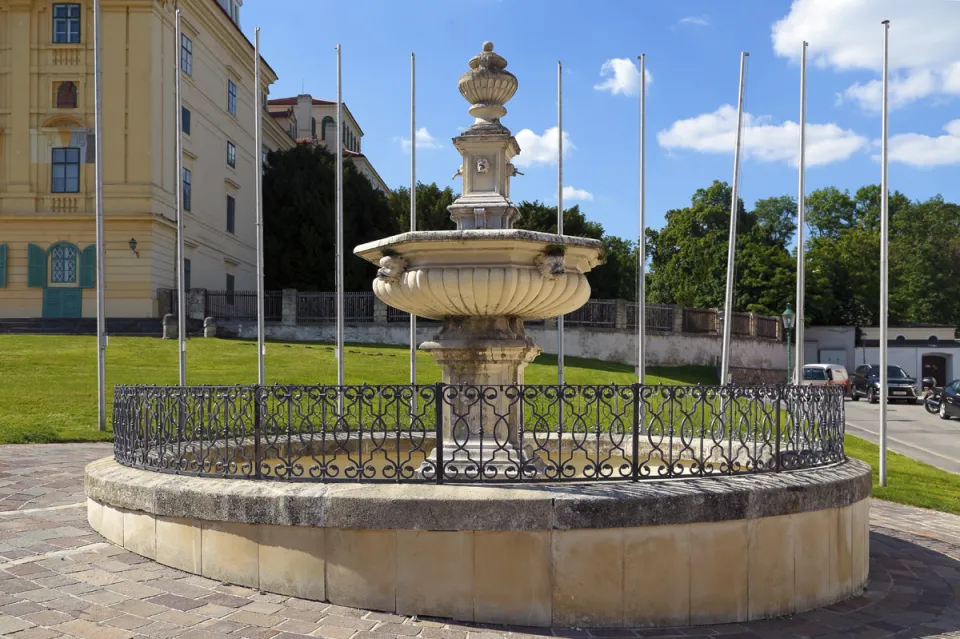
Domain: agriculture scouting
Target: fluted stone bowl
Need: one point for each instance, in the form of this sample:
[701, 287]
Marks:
[483, 273]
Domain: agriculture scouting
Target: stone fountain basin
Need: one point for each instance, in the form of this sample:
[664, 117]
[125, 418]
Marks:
[483, 273]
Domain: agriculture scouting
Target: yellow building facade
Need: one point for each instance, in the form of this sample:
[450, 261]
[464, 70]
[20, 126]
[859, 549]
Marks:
[47, 170]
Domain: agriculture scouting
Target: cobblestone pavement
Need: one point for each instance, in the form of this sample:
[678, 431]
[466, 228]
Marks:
[60, 579]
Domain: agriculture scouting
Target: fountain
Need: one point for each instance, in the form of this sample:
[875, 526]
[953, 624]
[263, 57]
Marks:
[481, 499]
[483, 281]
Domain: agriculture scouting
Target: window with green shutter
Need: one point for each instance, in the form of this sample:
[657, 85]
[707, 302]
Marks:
[3, 265]
[88, 267]
[36, 266]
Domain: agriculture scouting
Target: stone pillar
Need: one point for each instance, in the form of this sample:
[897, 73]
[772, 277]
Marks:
[170, 328]
[678, 319]
[481, 428]
[197, 303]
[288, 305]
[620, 314]
[753, 324]
[210, 327]
[379, 311]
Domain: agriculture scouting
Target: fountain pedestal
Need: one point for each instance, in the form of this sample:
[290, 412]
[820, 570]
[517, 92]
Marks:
[483, 281]
[481, 431]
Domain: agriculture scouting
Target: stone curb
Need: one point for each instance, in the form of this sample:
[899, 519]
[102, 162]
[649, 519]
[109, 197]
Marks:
[484, 507]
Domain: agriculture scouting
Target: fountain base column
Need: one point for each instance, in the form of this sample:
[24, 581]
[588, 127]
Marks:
[481, 425]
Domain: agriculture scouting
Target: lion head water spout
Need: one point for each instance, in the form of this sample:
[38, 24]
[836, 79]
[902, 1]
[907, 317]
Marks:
[483, 281]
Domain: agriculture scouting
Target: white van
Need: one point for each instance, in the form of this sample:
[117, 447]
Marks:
[826, 375]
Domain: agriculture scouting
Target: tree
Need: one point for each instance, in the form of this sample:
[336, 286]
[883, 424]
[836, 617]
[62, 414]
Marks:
[299, 232]
[689, 255]
[432, 203]
[536, 216]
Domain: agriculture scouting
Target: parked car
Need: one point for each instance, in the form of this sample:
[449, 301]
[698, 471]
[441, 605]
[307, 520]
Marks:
[826, 375]
[866, 383]
[950, 400]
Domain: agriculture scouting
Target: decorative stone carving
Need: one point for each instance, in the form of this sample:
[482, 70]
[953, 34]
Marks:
[458, 173]
[483, 165]
[487, 86]
[391, 268]
[551, 266]
[512, 170]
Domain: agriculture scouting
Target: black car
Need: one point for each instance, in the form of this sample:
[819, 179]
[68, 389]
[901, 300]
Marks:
[950, 400]
[865, 382]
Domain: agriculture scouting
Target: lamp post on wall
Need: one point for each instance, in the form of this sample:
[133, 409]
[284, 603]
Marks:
[788, 319]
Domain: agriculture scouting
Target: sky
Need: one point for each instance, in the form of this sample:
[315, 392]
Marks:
[692, 52]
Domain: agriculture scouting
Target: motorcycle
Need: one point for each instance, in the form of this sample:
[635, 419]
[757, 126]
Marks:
[931, 396]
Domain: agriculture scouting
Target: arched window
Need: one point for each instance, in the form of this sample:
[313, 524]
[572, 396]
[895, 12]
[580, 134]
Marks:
[934, 340]
[901, 339]
[323, 126]
[67, 95]
[63, 264]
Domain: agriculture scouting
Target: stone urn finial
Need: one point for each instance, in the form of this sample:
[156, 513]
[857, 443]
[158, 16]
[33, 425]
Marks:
[487, 86]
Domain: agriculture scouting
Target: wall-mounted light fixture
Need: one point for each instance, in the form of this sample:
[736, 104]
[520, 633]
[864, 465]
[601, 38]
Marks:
[133, 246]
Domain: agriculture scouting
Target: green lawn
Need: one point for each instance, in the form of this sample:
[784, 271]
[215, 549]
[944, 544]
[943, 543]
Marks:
[48, 382]
[908, 481]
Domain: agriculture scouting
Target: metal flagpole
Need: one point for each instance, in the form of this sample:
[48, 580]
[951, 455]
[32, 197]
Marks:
[560, 205]
[801, 211]
[98, 153]
[181, 268]
[641, 243]
[884, 284]
[732, 246]
[258, 165]
[413, 201]
[339, 256]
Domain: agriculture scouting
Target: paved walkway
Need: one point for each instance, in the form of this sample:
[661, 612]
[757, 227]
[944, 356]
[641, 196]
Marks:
[60, 579]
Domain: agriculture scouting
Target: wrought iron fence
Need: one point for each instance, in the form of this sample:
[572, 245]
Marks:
[322, 307]
[659, 317]
[242, 305]
[597, 313]
[443, 433]
[768, 327]
[697, 320]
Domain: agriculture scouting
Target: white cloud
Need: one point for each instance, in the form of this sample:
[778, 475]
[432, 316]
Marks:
[762, 138]
[846, 35]
[424, 141]
[570, 193]
[540, 149]
[927, 151]
[621, 76]
[700, 21]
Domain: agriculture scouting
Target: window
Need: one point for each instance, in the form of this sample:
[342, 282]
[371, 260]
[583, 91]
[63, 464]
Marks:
[811, 373]
[235, 12]
[185, 116]
[313, 127]
[263, 162]
[231, 97]
[63, 264]
[231, 214]
[66, 170]
[232, 154]
[230, 289]
[186, 54]
[186, 274]
[66, 23]
[187, 177]
[67, 95]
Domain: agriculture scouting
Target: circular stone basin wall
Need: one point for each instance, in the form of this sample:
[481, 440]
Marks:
[674, 552]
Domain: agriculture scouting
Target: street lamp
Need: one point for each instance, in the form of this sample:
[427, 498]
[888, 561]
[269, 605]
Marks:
[788, 319]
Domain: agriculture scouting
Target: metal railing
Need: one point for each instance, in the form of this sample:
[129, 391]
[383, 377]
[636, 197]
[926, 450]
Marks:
[442, 433]
[322, 307]
[242, 305]
[597, 313]
[659, 317]
[697, 320]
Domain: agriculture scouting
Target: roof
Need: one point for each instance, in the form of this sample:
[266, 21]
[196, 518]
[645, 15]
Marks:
[913, 343]
[280, 114]
[293, 102]
[240, 31]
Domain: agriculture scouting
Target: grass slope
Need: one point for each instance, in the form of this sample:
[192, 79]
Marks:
[48, 383]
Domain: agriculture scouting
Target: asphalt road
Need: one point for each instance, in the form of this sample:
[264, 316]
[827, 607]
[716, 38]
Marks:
[911, 431]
